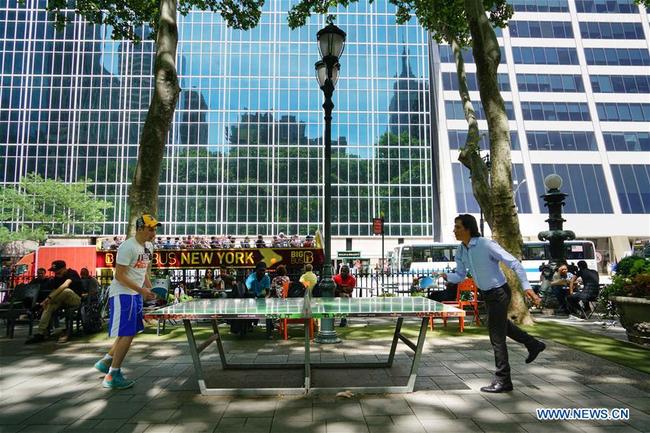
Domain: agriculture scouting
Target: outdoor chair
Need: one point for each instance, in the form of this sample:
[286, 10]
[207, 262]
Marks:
[21, 303]
[592, 303]
[283, 323]
[466, 296]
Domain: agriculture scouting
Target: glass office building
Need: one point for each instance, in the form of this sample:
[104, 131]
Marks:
[244, 153]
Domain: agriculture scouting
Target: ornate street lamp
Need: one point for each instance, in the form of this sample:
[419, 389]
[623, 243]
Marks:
[331, 42]
[556, 235]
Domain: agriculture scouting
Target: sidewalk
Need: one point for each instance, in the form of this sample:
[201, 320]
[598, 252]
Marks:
[52, 387]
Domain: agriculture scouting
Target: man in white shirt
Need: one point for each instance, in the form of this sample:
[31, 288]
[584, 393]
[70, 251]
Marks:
[129, 287]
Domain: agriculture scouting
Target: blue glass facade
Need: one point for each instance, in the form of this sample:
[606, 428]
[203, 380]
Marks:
[244, 153]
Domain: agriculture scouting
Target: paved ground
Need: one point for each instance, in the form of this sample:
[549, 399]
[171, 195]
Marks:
[52, 387]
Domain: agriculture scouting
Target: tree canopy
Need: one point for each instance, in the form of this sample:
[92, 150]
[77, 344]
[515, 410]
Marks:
[126, 18]
[49, 206]
[443, 18]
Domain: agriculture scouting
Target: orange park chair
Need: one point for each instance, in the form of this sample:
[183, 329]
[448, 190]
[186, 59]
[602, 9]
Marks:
[282, 325]
[466, 296]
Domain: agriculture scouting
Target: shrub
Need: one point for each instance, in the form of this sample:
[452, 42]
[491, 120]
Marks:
[632, 278]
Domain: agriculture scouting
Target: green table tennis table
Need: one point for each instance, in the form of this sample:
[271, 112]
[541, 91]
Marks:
[303, 308]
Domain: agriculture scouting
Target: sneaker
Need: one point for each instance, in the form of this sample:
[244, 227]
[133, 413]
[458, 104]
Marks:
[115, 380]
[36, 338]
[102, 366]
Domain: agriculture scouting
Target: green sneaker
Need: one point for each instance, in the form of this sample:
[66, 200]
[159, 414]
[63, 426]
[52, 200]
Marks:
[115, 380]
[102, 366]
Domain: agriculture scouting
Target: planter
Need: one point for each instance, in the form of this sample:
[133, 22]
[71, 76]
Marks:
[635, 318]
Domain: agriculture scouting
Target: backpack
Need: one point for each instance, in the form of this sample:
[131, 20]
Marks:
[296, 290]
[91, 318]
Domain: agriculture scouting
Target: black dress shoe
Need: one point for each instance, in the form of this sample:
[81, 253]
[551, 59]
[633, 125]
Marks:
[496, 387]
[534, 351]
[36, 338]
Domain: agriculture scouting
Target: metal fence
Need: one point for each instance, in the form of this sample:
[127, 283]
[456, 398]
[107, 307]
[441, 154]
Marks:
[369, 284]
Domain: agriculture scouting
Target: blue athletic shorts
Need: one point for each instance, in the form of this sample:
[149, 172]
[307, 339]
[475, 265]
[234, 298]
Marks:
[125, 315]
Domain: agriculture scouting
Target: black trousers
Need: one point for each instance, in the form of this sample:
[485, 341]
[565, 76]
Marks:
[499, 326]
[573, 301]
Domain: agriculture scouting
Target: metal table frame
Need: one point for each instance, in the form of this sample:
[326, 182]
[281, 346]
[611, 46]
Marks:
[197, 348]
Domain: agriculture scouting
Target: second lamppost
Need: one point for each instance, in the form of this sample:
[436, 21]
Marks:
[331, 41]
[556, 235]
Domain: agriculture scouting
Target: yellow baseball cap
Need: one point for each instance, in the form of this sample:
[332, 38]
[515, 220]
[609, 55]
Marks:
[146, 220]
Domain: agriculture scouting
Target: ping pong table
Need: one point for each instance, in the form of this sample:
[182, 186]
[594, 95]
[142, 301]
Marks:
[305, 308]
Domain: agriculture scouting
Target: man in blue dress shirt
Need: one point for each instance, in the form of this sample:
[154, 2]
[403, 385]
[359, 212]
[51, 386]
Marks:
[481, 258]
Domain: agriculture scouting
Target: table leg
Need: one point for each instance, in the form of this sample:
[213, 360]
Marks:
[195, 355]
[307, 357]
[222, 353]
[418, 354]
[393, 346]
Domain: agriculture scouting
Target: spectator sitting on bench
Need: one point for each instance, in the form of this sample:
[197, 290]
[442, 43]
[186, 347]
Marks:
[44, 287]
[589, 291]
[67, 293]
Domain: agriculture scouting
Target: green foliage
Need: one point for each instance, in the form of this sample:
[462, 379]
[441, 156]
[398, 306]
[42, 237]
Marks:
[443, 18]
[632, 278]
[49, 206]
[126, 18]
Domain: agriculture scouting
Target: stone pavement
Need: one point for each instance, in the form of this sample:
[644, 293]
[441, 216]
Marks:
[53, 387]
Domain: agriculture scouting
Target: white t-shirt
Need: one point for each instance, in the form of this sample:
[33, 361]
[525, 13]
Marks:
[137, 258]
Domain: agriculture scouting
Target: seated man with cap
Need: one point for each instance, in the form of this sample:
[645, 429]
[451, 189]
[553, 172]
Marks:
[66, 293]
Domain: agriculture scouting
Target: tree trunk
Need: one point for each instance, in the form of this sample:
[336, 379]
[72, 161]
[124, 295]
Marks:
[470, 154]
[143, 194]
[501, 214]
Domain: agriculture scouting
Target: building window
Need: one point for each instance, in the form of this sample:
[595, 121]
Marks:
[454, 110]
[447, 55]
[549, 83]
[540, 29]
[561, 140]
[598, 30]
[627, 141]
[622, 112]
[606, 6]
[633, 187]
[620, 83]
[540, 5]
[584, 183]
[617, 56]
[545, 55]
[450, 81]
[465, 201]
[573, 111]
[457, 139]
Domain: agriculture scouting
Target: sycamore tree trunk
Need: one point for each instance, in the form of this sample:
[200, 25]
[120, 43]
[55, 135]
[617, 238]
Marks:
[143, 194]
[495, 197]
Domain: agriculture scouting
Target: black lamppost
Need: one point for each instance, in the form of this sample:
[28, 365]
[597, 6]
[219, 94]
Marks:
[331, 41]
[488, 164]
[556, 235]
